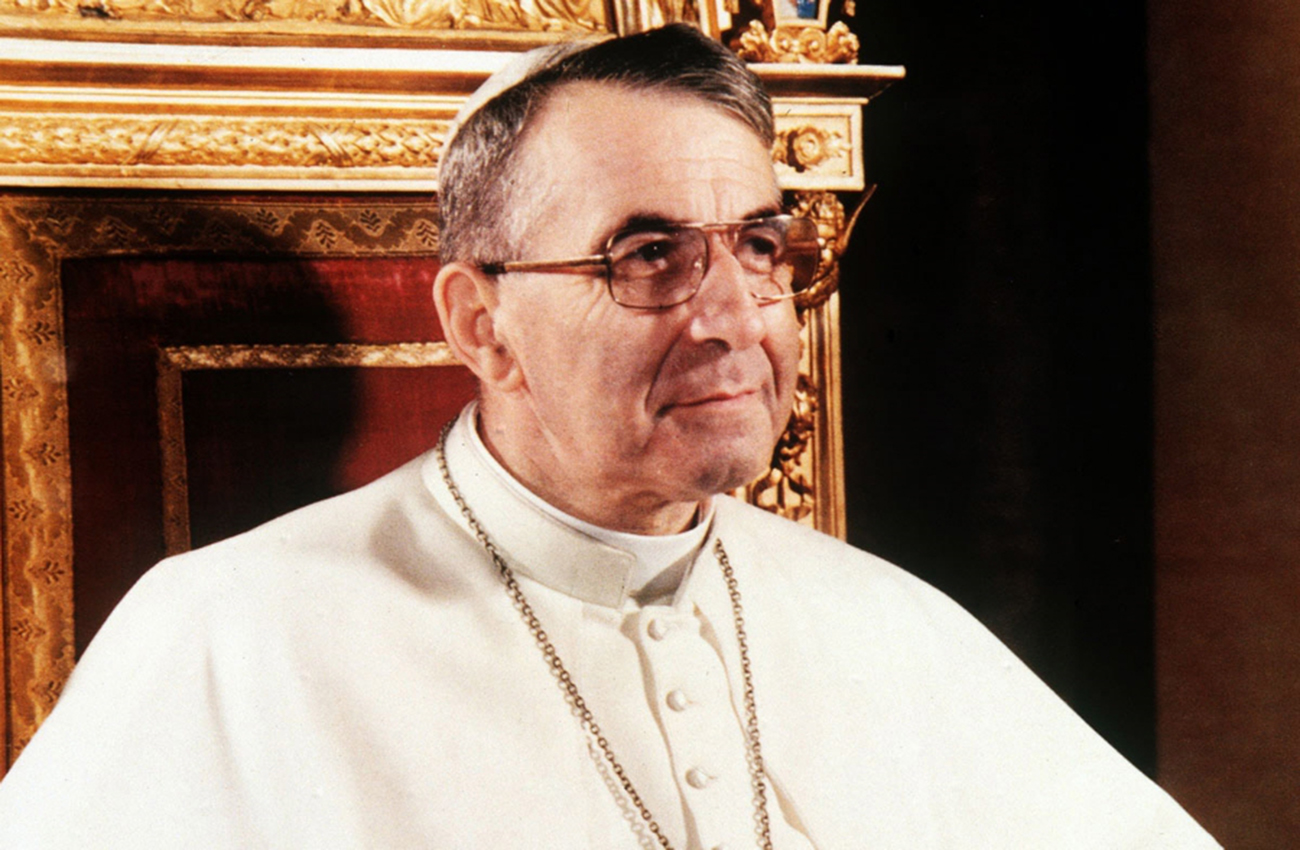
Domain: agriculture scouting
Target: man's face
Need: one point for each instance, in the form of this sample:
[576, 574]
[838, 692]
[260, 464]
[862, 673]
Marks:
[628, 410]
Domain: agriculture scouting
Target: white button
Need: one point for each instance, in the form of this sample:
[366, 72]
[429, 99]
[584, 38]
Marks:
[697, 778]
[678, 701]
[657, 629]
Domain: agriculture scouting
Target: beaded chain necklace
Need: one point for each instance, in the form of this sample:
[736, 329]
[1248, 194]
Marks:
[753, 748]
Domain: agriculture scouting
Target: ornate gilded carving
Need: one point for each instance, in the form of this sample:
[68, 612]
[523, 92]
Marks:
[833, 231]
[215, 140]
[37, 539]
[818, 146]
[837, 45]
[807, 146]
[788, 487]
[401, 354]
[634, 16]
[524, 15]
[49, 573]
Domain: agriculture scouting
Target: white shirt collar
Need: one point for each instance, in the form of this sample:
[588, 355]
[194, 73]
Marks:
[540, 541]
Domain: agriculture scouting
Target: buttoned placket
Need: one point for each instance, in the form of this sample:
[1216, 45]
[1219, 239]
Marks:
[581, 590]
[690, 691]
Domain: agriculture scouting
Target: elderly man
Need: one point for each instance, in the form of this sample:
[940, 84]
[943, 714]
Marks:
[552, 631]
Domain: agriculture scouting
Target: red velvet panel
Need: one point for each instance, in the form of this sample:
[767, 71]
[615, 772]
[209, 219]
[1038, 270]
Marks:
[259, 442]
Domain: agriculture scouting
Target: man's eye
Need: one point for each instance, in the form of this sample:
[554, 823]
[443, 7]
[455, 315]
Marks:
[757, 249]
[644, 252]
[652, 251]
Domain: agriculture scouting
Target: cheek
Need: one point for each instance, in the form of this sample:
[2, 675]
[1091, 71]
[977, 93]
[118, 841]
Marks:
[783, 350]
[587, 365]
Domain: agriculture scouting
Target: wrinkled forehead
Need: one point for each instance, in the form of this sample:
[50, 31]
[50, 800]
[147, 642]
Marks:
[606, 122]
[600, 157]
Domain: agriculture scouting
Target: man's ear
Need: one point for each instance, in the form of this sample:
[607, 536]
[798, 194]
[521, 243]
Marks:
[467, 303]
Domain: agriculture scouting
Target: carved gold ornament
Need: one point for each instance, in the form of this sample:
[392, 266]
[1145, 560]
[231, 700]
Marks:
[834, 231]
[787, 487]
[818, 146]
[201, 140]
[837, 45]
[806, 147]
[72, 135]
[409, 15]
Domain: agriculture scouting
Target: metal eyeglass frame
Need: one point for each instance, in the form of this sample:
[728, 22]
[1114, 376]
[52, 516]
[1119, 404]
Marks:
[604, 261]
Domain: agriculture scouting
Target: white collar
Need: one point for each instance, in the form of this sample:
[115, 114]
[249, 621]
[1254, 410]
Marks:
[543, 543]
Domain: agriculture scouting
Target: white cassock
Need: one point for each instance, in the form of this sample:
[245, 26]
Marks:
[354, 675]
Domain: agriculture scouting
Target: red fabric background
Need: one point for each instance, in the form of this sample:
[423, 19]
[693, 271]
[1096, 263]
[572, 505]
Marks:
[259, 442]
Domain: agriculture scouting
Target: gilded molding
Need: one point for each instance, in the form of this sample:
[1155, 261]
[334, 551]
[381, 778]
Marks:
[805, 147]
[787, 488]
[411, 355]
[216, 140]
[212, 150]
[827, 211]
[418, 15]
[805, 481]
[833, 230]
[175, 461]
[37, 556]
[818, 146]
[837, 45]
[173, 361]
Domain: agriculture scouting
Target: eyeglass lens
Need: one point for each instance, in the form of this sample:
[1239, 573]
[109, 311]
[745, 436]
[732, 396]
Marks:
[661, 267]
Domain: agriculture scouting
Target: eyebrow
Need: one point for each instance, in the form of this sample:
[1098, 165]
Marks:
[650, 221]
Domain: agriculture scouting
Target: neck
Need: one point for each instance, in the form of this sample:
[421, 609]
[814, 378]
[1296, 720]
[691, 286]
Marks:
[596, 502]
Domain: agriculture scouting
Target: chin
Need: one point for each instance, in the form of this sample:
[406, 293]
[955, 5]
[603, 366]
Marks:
[723, 472]
[717, 457]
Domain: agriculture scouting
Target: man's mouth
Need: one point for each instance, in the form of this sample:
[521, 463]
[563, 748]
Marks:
[720, 398]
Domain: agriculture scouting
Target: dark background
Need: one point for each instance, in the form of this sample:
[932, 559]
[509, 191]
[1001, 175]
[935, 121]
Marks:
[1071, 345]
[997, 334]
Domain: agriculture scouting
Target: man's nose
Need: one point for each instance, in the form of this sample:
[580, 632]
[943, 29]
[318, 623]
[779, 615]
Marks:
[724, 309]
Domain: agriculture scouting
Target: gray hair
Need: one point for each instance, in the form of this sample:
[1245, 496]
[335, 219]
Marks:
[478, 175]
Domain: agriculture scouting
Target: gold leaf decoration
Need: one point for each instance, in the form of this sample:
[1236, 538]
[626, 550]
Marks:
[201, 140]
[17, 390]
[40, 332]
[805, 147]
[430, 15]
[49, 572]
[24, 629]
[45, 454]
[787, 488]
[837, 45]
[834, 228]
[47, 692]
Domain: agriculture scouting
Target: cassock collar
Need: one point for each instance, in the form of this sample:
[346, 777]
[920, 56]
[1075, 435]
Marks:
[534, 544]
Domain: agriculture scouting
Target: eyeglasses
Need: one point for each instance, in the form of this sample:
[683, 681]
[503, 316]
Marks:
[659, 266]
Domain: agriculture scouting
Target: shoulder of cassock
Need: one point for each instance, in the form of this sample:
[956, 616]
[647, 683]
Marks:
[914, 708]
[891, 715]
